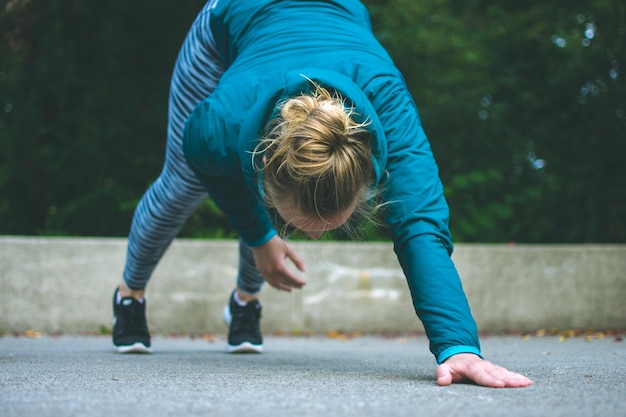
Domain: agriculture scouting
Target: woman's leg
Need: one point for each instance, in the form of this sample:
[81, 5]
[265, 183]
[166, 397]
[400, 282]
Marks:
[176, 193]
[249, 280]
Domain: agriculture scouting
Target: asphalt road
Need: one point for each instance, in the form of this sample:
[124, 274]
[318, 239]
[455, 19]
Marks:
[304, 376]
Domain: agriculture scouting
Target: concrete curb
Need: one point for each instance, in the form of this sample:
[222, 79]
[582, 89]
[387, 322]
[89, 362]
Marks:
[65, 285]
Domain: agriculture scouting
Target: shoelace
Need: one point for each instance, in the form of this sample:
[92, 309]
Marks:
[247, 319]
[135, 321]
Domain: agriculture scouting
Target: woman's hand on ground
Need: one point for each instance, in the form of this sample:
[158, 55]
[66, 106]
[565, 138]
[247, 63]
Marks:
[467, 367]
[270, 259]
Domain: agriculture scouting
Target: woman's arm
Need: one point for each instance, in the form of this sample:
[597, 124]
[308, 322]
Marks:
[417, 214]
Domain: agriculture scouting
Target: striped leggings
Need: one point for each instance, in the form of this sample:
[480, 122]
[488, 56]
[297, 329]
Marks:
[176, 193]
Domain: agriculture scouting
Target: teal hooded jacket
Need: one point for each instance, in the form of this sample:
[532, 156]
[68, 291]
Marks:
[272, 50]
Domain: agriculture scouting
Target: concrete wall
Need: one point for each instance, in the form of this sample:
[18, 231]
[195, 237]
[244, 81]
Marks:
[65, 285]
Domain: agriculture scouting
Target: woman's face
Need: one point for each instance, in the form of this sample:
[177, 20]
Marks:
[313, 226]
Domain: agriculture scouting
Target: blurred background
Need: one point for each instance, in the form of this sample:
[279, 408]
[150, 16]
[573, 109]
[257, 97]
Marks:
[524, 104]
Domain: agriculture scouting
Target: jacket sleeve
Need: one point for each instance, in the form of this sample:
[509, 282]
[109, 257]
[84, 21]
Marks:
[216, 164]
[417, 214]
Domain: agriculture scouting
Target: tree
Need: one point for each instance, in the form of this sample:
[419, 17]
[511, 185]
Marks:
[524, 106]
[85, 89]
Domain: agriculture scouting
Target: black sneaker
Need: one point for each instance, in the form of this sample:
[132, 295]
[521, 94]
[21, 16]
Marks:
[130, 330]
[244, 333]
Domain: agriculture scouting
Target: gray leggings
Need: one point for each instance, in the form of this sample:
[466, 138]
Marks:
[176, 193]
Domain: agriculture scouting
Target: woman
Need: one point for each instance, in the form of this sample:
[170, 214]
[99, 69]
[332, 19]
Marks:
[290, 114]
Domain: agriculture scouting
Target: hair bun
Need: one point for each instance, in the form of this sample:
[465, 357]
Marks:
[316, 156]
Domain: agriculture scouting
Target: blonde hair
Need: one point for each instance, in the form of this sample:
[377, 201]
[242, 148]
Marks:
[317, 158]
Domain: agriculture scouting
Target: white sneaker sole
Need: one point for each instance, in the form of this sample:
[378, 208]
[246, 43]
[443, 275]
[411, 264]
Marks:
[245, 347]
[134, 348]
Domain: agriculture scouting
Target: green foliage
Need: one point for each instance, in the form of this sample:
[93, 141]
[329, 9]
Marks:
[84, 90]
[524, 104]
[525, 107]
